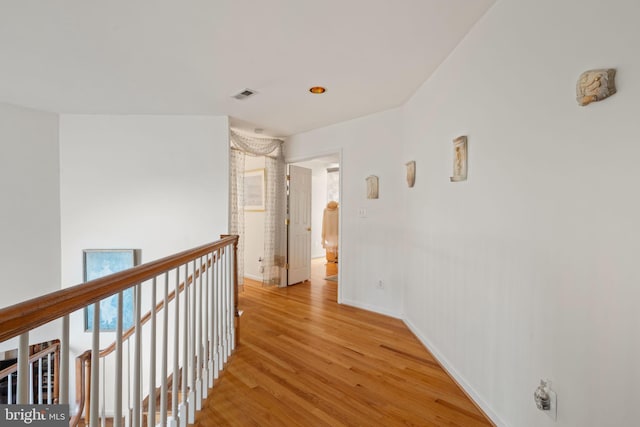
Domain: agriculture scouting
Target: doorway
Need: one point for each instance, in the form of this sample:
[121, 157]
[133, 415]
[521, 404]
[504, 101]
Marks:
[321, 256]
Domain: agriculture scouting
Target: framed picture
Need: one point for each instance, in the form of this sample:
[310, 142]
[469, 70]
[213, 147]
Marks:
[459, 159]
[103, 262]
[254, 190]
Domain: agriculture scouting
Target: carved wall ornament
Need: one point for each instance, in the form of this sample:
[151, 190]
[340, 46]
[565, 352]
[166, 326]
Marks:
[459, 159]
[595, 85]
[411, 173]
[372, 187]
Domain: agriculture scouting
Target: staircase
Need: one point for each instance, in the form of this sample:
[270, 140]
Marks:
[175, 350]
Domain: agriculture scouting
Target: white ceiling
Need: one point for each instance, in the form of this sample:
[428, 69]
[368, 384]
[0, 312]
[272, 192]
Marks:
[189, 57]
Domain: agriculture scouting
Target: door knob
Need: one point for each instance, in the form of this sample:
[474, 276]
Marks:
[308, 228]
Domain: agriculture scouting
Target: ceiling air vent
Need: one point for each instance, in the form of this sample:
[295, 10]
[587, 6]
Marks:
[244, 93]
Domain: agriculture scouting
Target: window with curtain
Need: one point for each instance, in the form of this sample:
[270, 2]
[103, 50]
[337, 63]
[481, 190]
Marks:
[275, 199]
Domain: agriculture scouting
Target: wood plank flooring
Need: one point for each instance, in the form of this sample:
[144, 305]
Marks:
[304, 360]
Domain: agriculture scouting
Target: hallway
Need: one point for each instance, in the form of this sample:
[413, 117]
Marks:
[304, 360]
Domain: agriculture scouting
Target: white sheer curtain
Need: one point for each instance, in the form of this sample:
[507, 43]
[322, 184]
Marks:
[237, 205]
[275, 193]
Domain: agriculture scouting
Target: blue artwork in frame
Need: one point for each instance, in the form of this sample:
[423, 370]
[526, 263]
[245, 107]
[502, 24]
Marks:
[103, 262]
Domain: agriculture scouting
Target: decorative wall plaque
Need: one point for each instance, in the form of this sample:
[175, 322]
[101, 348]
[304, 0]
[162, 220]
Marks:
[595, 85]
[411, 173]
[459, 159]
[372, 187]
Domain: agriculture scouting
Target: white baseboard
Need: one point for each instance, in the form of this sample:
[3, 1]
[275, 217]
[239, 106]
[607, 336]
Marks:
[455, 374]
[252, 277]
[373, 308]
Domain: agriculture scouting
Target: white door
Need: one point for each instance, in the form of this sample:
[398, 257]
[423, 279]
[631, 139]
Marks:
[299, 244]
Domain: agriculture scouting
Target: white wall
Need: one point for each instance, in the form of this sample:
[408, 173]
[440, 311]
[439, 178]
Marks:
[30, 207]
[253, 230]
[156, 183]
[370, 248]
[529, 269]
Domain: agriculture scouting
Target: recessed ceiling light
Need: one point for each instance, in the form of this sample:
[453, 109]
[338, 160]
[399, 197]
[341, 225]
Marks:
[317, 90]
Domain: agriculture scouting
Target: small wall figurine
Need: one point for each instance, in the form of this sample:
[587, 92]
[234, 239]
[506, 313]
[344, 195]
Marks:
[595, 85]
[459, 159]
[411, 173]
[372, 187]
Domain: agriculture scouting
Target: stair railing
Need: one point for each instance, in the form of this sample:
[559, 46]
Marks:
[44, 365]
[191, 349]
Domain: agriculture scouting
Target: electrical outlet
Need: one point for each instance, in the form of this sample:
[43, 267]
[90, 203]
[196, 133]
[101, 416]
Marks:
[362, 212]
[380, 285]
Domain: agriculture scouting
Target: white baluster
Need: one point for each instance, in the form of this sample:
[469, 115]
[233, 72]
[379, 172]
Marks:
[232, 306]
[137, 356]
[23, 369]
[219, 308]
[40, 381]
[31, 401]
[117, 415]
[208, 378]
[49, 379]
[129, 414]
[165, 351]
[192, 346]
[227, 304]
[95, 368]
[214, 316]
[198, 339]
[64, 362]
[10, 385]
[176, 347]
[183, 411]
[151, 417]
[103, 406]
[225, 298]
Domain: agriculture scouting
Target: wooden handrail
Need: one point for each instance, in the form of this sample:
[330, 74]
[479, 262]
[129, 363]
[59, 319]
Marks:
[23, 317]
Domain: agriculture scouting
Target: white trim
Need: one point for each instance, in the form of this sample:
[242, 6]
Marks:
[372, 308]
[252, 277]
[447, 366]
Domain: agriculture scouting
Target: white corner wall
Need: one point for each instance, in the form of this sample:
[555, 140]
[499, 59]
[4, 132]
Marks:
[155, 183]
[528, 270]
[30, 214]
[370, 247]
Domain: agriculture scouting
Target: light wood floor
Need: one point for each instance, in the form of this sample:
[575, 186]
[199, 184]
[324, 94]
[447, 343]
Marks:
[304, 360]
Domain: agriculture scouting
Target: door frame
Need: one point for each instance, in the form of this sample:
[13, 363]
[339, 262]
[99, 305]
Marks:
[316, 155]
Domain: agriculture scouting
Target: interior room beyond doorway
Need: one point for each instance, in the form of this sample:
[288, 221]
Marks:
[325, 202]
